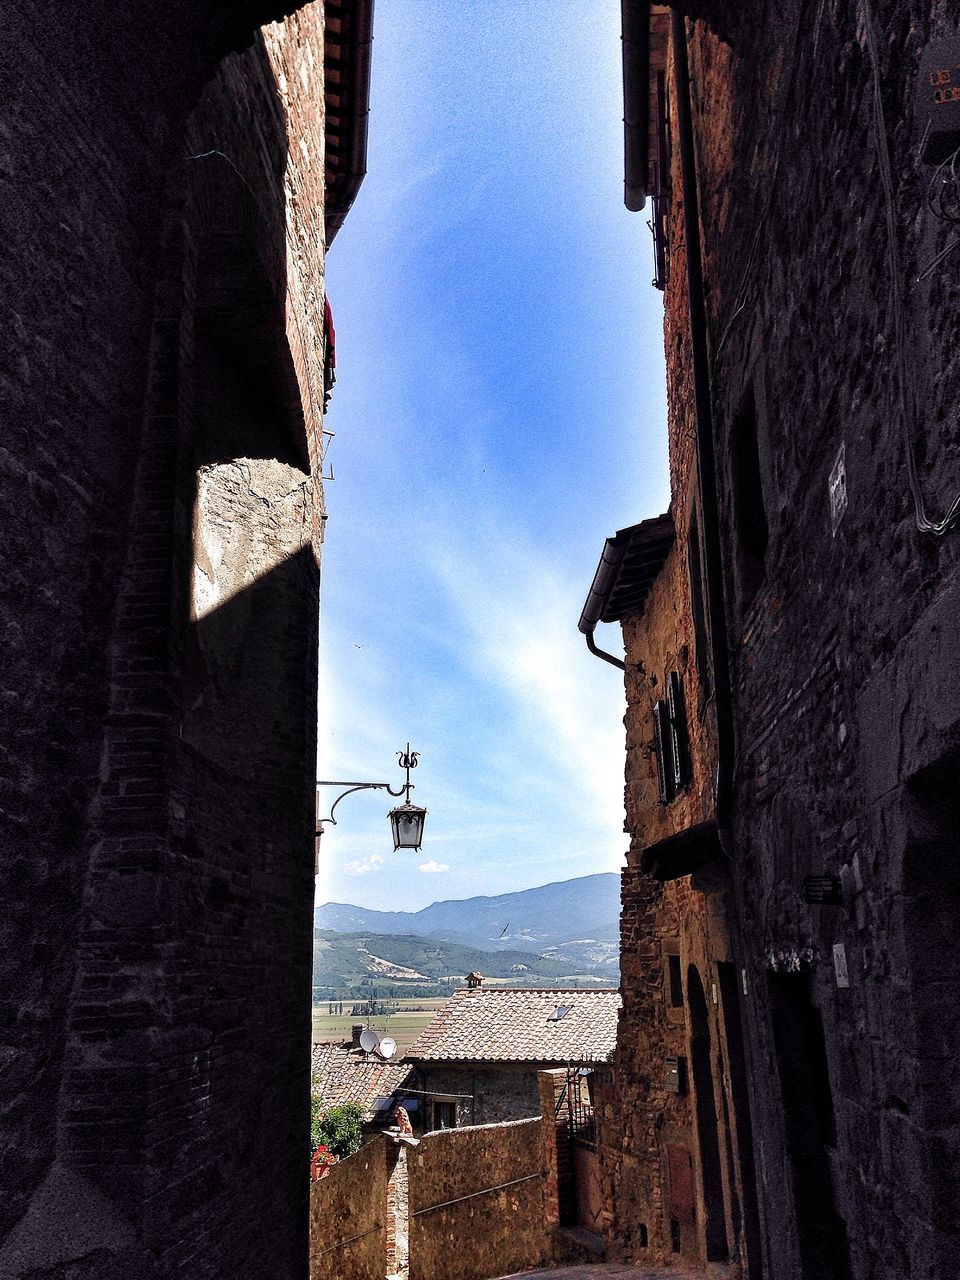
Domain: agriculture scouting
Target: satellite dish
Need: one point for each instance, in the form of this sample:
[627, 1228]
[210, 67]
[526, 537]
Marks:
[388, 1047]
[369, 1040]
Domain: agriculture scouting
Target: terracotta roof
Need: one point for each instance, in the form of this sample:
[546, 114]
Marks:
[518, 1024]
[348, 37]
[344, 1074]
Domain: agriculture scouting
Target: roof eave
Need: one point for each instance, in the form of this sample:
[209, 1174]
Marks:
[339, 199]
[635, 35]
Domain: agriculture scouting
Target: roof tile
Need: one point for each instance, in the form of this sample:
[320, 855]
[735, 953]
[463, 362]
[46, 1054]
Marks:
[513, 1024]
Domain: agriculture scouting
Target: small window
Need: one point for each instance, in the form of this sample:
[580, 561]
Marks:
[444, 1114]
[661, 187]
[698, 609]
[672, 741]
[679, 735]
[675, 982]
[559, 1012]
[750, 514]
[662, 743]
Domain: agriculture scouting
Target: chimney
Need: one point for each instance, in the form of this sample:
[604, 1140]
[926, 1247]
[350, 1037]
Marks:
[474, 980]
[357, 1032]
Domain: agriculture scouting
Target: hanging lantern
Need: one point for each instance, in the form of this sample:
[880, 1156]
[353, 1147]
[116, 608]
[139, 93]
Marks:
[406, 822]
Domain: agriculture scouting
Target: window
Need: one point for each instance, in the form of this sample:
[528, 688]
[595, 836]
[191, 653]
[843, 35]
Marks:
[674, 982]
[679, 737]
[750, 516]
[661, 739]
[672, 740]
[699, 612]
[444, 1114]
[661, 188]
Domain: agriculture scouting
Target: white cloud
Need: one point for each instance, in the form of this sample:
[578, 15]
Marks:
[364, 865]
[433, 865]
[567, 707]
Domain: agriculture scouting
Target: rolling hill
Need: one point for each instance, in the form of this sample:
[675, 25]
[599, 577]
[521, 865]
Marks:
[557, 933]
[343, 960]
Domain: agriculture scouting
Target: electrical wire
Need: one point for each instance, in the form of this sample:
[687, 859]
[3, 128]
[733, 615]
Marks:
[924, 523]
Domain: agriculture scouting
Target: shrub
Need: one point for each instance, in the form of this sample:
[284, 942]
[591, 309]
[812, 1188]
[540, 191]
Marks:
[338, 1128]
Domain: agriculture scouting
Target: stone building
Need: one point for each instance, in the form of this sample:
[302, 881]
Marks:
[345, 1072]
[477, 1062]
[801, 169]
[164, 181]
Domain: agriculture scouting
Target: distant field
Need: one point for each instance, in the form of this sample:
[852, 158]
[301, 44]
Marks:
[403, 1026]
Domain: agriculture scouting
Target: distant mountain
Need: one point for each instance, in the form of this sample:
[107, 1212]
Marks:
[571, 919]
[345, 963]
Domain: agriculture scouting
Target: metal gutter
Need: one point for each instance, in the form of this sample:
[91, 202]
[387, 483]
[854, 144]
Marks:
[611, 559]
[630, 563]
[635, 35]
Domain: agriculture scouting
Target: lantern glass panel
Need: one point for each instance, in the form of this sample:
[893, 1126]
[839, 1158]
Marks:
[407, 824]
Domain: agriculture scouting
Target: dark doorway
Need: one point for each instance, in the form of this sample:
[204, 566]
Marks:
[737, 1067]
[716, 1222]
[810, 1129]
[931, 883]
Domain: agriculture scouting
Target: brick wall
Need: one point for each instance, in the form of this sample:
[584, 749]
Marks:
[157, 870]
[676, 1166]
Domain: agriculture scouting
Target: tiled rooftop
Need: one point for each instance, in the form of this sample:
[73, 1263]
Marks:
[342, 1073]
[514, 1024]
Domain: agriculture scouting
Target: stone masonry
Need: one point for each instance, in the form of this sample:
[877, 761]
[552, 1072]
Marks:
[163, 201]
[830, 291]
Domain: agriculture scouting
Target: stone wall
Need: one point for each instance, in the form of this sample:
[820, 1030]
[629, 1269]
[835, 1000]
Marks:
[156, 848]
[349, 1220]
[487, 1095]
[483, 1232]
[826, 343]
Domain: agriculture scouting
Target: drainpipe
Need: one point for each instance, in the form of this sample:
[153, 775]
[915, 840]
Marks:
[706, 459]
[610, 560]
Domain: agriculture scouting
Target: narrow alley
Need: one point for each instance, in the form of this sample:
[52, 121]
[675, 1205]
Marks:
[746, 468]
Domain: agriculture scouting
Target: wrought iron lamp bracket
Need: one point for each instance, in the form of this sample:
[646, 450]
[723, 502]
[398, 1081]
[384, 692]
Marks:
[407, 760]
[351, 787]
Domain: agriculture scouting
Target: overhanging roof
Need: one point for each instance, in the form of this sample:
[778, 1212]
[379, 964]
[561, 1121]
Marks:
[645, 31]
[348, 39]
[629, 565]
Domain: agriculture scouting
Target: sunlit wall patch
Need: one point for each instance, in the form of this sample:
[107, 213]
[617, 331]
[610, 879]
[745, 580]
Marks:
[837, 487]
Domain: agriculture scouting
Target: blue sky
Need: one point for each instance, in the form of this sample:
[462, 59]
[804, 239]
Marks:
[499, 411]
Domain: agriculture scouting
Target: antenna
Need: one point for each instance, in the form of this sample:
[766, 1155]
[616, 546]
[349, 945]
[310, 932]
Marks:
[369, 1040]
[387, 1047]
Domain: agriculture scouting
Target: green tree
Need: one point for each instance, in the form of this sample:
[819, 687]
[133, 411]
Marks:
[338, 1128]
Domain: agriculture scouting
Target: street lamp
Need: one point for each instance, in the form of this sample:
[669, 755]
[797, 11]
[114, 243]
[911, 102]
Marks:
[406, 820]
